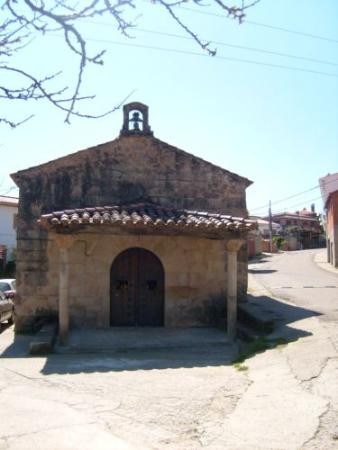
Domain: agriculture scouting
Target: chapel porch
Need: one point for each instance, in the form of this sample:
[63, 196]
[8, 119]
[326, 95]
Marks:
[125, 339]
[196, 273]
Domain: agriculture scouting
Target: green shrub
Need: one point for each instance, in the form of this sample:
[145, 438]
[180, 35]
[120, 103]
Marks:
[279, 242]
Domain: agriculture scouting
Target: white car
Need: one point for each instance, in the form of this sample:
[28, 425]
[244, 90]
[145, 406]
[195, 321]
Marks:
[6, 309]
[8, 287]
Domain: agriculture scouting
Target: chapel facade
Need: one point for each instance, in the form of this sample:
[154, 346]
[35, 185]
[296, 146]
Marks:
[133, 232]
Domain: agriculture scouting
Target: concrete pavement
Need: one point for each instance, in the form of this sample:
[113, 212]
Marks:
[320, 258]
[283, 398]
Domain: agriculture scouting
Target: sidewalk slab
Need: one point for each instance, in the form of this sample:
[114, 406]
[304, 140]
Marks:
[146, 338]
[320, 259]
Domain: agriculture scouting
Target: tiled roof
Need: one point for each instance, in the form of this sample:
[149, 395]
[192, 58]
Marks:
[145, 215]
[9, 201]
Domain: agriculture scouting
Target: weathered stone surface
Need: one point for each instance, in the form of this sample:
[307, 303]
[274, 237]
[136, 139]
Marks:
[124, 171]
[130, 169]
[195, 278]
[43, 341]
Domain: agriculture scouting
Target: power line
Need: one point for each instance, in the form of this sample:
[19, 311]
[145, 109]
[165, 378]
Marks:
[226, 58]
[286, 30]
[241, 47]
[12, 188]
[295, 205]
[286, 198]
[265, 25]
[293, 196]
[224, 44]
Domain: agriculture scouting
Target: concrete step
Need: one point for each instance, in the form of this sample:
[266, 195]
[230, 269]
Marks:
[43, 342]
[253, 315]
[248, 334]
[118, 339]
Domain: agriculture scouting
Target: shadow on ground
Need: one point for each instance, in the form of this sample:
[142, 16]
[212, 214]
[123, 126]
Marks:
[4, 326]
[255, 271]
[259, 259]
[130, 360]
[280, 312]
[212, 354]
[12, 345]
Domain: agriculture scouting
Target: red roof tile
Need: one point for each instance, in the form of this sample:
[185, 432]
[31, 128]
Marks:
[145, 215]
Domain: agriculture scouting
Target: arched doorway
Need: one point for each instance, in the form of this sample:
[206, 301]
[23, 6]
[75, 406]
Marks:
[137, 289]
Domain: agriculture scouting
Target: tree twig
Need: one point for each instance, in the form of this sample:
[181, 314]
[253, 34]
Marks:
[28, 18]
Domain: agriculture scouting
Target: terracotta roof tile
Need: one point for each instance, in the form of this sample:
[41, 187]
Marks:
[145, 215]
[5, 200]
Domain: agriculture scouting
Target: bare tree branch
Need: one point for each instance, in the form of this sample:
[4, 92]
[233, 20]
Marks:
[14, 124]
[22, 21]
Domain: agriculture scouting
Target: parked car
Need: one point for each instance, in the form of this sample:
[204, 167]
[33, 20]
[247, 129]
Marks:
[8, 287]
[6, 309]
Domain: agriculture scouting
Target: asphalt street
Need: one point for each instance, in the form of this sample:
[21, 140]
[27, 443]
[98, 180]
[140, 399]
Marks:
[296, 277]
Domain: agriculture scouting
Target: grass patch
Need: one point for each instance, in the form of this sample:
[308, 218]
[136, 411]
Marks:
[240, 367]
[259, 345]
[280, 342]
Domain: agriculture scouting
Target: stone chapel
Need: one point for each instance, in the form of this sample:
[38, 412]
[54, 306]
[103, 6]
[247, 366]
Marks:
[132, 232]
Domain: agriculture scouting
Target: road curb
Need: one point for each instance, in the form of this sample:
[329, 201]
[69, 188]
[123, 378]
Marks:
[320, 260]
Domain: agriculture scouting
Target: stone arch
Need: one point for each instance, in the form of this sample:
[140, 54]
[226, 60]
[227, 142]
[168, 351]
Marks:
[137, 289]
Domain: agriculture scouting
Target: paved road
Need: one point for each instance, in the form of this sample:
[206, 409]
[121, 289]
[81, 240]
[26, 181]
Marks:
[295, 276]
[285, 398]
[282, 399]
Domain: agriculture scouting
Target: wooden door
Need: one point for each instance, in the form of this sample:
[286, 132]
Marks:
[137, 289]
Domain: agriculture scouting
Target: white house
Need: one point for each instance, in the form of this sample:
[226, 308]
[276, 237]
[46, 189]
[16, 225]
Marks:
[8, 215]
[263, 226]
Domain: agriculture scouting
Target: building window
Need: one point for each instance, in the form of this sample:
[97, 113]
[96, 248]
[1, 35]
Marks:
[15, 221]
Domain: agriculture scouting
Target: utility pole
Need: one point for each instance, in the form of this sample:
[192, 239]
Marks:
[270, 226]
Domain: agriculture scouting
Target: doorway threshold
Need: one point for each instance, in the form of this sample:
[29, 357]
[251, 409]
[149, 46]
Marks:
[117, 339]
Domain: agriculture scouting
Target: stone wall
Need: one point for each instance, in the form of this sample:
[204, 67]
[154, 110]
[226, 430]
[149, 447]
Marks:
[195, 278]
[128, 170]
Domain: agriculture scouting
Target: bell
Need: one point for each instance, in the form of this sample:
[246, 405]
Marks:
[136, 120]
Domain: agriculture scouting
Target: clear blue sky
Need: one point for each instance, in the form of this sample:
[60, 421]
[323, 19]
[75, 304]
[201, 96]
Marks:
[275, 126]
